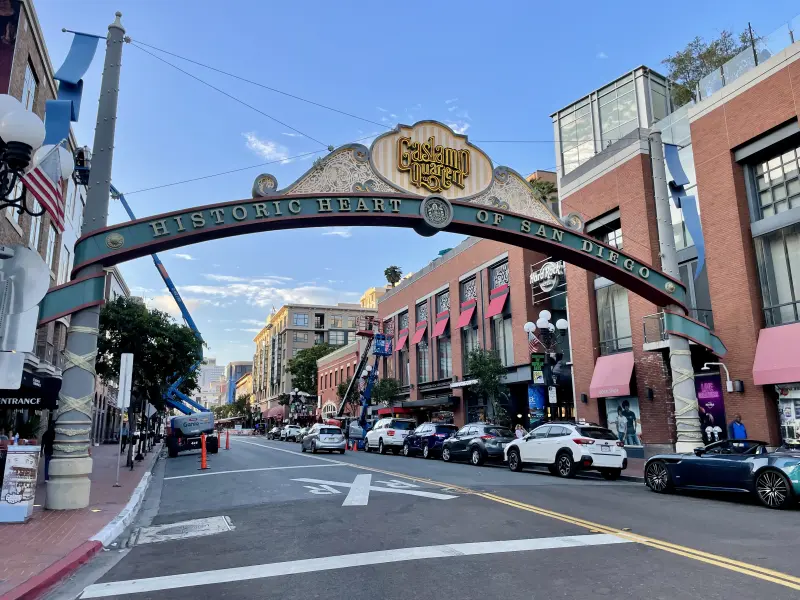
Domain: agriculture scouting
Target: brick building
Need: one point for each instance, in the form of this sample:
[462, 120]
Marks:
[475, 295]
[333, 369]
[735, 151]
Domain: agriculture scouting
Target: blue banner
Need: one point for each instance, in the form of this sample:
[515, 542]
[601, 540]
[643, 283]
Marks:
[79, 58]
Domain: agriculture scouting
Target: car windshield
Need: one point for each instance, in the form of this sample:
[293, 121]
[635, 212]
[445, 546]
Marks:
[402, 425]
[597, 433]
[499, 431]
[448, 429]
[330, 431]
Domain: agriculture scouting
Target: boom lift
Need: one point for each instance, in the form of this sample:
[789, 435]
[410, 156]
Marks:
[381, 345]
[173, 396]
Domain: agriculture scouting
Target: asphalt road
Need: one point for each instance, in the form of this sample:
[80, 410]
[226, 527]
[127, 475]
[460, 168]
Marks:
[365, 526]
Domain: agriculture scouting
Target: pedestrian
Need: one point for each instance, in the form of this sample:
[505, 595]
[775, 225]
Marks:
[519, 432]
[48, 437]
[622, 425]
[125, 438]
[737, 430]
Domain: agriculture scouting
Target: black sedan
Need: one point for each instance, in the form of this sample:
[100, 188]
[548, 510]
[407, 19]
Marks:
[745, 466]
[477, 442]
[427, 439]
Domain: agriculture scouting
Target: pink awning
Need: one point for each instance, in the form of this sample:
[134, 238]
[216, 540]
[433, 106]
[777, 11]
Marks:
[612, 376]
[497, 300]
[441, 323]
[420, 331]
[777, 355]
[467, 310]
[276, 412]
[402, 336]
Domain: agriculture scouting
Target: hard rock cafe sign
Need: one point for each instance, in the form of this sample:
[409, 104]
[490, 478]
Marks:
[548, 276]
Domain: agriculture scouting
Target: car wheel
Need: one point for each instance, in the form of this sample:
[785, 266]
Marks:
[772, 489]
[426, 451]
[476, 457]
[611, 474]
[514, 461]
[446, 454]
[657, 477]
[381, 447]
[564, 465]
[313, 447]
[302, 447]
[406, 450]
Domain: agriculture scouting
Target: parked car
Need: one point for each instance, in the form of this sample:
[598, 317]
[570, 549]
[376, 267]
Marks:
[477, 442]
[302, 434]
[323, 437]
[428, 439]
[566, 448]
[274, 433]
[290, 432]
[744, 466]
[389, 433]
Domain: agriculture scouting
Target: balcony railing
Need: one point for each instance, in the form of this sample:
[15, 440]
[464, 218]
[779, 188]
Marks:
[621, 344]
[782, 314]
[654, 330]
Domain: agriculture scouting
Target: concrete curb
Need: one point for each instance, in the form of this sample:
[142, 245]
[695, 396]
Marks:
[37, 585]
[121, 522]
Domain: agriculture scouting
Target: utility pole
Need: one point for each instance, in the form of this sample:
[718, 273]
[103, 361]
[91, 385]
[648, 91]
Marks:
[69, 483]
[687, 419]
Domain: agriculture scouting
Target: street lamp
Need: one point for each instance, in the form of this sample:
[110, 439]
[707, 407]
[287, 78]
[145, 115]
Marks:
[21, 133]
[707, 367]
[549, 334]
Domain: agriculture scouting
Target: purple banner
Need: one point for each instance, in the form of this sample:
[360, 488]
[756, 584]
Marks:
[712, 407]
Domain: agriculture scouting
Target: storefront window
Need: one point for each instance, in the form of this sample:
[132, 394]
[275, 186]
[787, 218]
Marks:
[778, 256]
[445, 356]
[613, 319]
[777, 184]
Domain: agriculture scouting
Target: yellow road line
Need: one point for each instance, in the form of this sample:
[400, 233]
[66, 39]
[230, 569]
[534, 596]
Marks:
[783, 579]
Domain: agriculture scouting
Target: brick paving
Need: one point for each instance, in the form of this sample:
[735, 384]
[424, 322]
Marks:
[29, 548]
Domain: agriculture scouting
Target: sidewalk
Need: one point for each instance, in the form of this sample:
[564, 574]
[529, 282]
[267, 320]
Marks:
[28, 549]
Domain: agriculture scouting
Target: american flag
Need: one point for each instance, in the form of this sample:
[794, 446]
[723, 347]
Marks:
[44, 181]
[533, 341]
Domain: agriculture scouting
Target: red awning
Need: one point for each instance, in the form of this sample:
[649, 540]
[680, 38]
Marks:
[393, 411]
[402, 336]
[420, 331]
[777, 355]
[612, 376]
[497, 300]
[441, 323]
[467, 310]
[275, 412]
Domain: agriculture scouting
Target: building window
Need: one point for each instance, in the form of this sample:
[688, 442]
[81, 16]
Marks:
[319, 338]
[337, 338]
[64, 266]
[469, 342]
[52, 234]
[577, 140]
[699, 297]
[69, 206]
[337, 321]
[498, 275]
[614, 238]
[445, 356]
[78, 207]
[443, 302]
[296, 351]
[778, 255]
[300, 319]
[614, 322]
[402, 321]
[423, 357]
[319, 321]
[617, 111]
[502, 339]
[300, 336]
[351, 322]
[404, 367]
[468, 290]
[778, 184]
[421, 312]
[29, 88]
[36, 225]
[658, 99]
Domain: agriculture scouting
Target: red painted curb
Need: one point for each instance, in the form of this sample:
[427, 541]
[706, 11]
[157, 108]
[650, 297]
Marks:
[37, 585]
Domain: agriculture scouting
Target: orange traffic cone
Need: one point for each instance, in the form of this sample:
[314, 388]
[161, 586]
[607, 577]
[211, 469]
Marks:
[203, 458]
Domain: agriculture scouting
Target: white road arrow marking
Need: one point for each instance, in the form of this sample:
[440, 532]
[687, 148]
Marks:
[397, 484]
[360, 489]
[322, 490]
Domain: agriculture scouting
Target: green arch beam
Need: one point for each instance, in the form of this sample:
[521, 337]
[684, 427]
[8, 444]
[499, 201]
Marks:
[126, 241]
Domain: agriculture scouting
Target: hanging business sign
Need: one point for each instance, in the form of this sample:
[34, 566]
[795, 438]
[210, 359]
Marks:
[37, 393]
[548, 276]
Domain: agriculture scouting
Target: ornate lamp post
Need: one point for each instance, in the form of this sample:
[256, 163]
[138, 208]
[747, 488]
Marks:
[550, 335]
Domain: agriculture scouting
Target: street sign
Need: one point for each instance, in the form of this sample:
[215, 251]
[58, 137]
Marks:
[359, 490]
[551, 392]
[125, 377]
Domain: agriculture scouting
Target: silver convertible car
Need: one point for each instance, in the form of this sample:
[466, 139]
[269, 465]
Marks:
[323, 437]
[731, 466]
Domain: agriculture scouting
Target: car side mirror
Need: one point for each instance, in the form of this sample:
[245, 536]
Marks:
[699, 451]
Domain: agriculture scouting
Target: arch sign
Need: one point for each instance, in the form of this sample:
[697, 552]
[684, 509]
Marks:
[424, 177]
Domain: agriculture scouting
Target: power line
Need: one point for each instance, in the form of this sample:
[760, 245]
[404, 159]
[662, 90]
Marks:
[261, 85]
[232, 97]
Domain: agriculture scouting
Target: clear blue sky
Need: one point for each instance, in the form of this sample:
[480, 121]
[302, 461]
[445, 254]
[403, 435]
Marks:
[496, 70]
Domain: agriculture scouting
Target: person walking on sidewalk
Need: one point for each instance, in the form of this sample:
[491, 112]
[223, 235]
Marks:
[737, 430]
[48, 437]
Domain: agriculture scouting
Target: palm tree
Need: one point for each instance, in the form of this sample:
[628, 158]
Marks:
[393, 274]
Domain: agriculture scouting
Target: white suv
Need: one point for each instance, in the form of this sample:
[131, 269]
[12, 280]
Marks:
[290, 432]
[565, 448]
[389, 433]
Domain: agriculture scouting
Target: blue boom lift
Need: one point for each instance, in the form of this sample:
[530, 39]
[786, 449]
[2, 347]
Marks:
[173, 396]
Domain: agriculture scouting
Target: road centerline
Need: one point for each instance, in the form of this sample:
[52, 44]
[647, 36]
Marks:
[329, 563]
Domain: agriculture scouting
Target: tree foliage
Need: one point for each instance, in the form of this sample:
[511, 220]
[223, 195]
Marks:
[303, 367]
[161, 348]
[699, 58]
[385, 390]
[393, 274]
[239, 408]
[543, 190]
[486, 367]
